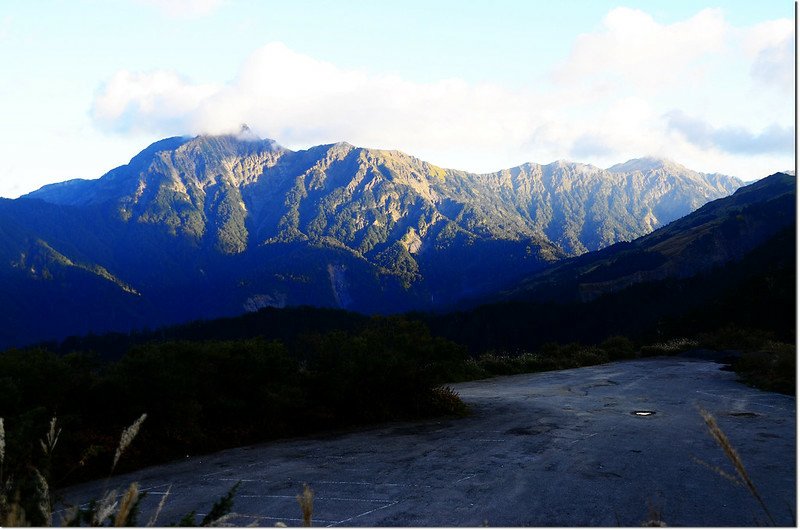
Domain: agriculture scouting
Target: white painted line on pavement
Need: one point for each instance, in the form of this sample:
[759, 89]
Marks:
[247, 516]
[316, 498]
[147, 489]
[343, 482]
[119, 495]
[363, 514]
[584, 438]
[215, 473]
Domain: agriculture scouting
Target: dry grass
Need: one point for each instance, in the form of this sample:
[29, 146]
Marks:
[447, 401]
[224, 521]
[719, 471]
[14, 514]
[127, 437]
[43, 496]
[127, 506]
[722, 440]
[154, 518]
[105, 508]
[306, 501]
[41, 501]
[70, 514]
[50, 439]
[654, 517]
[111, 509]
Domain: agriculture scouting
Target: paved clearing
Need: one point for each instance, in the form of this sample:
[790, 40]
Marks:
[558, 448]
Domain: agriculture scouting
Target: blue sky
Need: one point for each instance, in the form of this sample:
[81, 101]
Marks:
[466, 84]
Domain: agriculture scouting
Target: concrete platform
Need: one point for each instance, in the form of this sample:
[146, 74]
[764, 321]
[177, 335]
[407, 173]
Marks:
[552, 449]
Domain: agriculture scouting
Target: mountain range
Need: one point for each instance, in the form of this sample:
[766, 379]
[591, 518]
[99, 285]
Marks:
[719, 232]
[728, 268]
[217, 225]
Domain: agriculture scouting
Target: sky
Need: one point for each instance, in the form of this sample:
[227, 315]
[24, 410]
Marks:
[467, 84]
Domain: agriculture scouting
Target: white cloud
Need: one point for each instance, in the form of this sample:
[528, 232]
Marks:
[767, 34]
[184, 8]
[731, 139]
[301, 101]
[770, 47]
[154, 101]
[5, 27]
[632, 48]
[608, 103]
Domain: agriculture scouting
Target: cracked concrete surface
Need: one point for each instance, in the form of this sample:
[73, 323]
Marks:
[557, 448]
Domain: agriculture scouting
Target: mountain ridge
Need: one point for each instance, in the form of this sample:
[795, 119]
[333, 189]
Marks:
[720, 231]
[216, 225]
[208, 158]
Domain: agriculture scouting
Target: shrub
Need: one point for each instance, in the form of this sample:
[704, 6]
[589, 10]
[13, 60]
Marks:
[669, 347]
[446, 401]
[773, 367]
[618, 347]
[735, 338]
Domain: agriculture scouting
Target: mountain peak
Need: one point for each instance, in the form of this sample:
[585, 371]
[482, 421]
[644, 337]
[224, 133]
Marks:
[647, 163]
[246, 134]
[575, 166]
[241, 144]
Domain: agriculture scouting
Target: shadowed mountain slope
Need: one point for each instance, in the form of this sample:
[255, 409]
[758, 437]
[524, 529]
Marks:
[723, 230]
[730, 266]
[218, 225]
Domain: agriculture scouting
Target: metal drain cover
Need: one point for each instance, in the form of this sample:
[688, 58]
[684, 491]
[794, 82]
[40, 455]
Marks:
[643, 412]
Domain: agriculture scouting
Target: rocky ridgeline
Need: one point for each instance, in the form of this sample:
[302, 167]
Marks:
[216, 225]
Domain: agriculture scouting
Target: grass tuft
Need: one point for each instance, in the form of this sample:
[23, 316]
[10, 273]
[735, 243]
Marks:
[447, 401]
[306, 501]
[15, 514]
[127, 437]
[104, 509]
[50, 439]
[722, 440]
[127, 508]
[221, 509]
[719, 471]
[154, 518]
[43, 496]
